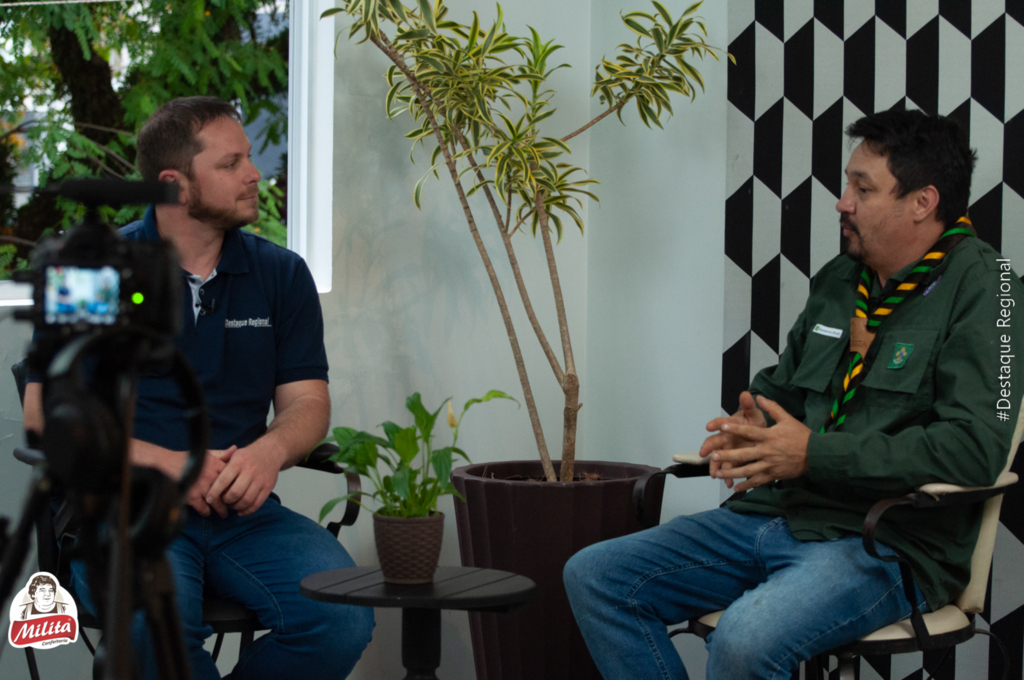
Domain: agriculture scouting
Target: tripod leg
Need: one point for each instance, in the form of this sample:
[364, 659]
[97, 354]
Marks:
[164, 622]
[33, 669]
[17, 549]
[118, 662]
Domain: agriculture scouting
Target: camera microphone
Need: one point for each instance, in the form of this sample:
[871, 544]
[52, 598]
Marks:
[208, 308]
[114, 192]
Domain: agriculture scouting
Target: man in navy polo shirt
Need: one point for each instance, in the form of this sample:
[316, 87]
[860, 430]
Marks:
[253, 331]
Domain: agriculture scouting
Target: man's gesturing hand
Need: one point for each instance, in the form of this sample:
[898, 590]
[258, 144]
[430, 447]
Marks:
[777, 452]
[748, 414]
[198, 496]
[247, 479]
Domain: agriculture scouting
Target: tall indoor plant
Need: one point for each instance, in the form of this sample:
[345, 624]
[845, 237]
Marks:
[478, 99]
[479, 96]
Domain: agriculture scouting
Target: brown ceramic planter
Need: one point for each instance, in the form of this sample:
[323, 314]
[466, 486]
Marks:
[533, 528]
[408, 547]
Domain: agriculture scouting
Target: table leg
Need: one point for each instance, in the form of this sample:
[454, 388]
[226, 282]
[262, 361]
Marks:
[421, 643]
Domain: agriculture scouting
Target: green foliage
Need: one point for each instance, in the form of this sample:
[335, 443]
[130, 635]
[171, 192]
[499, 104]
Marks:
[407, 489]
[656, 65]
[173, 49]
[485, 90]
[269, 225]
[7, 255]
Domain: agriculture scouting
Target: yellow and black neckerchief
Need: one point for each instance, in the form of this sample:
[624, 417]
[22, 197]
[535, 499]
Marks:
[865, 322]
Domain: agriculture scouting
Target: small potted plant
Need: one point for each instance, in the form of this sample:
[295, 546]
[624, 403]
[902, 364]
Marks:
[407, 527]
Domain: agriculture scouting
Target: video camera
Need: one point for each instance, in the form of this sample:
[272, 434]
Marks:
[104, 310]
[93, 279]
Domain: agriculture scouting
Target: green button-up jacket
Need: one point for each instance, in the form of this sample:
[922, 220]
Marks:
[944, 371]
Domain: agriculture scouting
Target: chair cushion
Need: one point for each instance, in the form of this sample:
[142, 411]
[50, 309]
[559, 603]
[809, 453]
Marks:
[226, 616]
[946, 620]
[711, 620]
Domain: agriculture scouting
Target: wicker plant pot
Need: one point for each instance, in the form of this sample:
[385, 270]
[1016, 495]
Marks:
[408, 547]
[532, 528]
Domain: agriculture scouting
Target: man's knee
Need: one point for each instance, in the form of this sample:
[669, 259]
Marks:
[746, 645]
[343, 635]
[584, 570]
[574, 572]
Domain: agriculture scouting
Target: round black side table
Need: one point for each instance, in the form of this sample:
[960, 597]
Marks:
[464, 588]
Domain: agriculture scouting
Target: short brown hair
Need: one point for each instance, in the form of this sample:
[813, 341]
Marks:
[41, 580]
[170, 138]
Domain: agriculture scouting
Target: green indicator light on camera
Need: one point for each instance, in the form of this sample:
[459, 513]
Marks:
[137, 298]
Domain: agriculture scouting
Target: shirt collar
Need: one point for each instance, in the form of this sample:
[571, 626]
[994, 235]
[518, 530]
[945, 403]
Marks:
[149, 224]
[902, 274]
[232, 254]
[877, 289]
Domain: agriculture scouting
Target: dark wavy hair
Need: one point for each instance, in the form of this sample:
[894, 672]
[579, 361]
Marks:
[38, 581]
[922, 150]
[170, 138]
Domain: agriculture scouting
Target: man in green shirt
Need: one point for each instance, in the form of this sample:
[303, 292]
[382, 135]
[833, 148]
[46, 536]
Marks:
[899, 372]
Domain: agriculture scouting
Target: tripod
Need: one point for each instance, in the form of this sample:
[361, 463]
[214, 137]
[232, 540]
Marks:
[128, 515]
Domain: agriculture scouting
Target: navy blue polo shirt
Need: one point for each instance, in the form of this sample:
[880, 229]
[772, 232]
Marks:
[261, 327]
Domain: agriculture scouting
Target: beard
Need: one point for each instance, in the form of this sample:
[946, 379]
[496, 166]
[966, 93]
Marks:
[224, 219]
[844, 241]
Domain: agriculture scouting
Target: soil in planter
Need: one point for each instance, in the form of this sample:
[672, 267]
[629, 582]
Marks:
[579, 477]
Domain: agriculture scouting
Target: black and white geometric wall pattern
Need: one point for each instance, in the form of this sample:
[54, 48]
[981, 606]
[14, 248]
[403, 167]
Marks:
[805, 70]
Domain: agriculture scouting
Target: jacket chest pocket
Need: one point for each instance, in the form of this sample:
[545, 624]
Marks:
[821, 354]
[902, 366]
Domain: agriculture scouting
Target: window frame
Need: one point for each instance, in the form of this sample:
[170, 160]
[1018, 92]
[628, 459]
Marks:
[311, 137]
[15, 294]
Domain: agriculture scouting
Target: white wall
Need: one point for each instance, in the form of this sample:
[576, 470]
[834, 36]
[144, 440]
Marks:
[411, 308]
[655, 263]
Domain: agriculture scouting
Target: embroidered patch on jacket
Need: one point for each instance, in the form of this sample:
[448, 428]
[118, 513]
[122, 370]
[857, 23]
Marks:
[901, 354]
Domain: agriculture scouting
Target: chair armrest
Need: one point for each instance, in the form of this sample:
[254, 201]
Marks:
[926, 496]
[692, 458]
[687, 465]
[32, 457]
[318, 459]
[933, 496]
[968, 494]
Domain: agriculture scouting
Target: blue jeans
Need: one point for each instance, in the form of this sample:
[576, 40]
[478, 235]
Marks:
[786, 600]
[257, 560]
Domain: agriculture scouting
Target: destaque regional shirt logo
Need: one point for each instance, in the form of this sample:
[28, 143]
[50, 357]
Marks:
[43, 614]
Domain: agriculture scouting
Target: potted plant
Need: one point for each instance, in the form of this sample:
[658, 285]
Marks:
[478, 97]
[407, 528]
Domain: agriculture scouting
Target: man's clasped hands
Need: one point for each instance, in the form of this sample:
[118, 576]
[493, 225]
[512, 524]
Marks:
[745, 447]
[237, 478]
[240, 479]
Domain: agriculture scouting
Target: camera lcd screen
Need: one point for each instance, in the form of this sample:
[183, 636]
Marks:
[81, 295]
